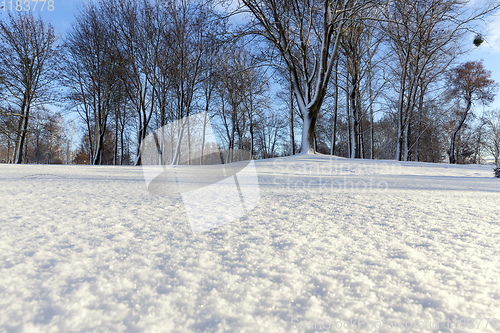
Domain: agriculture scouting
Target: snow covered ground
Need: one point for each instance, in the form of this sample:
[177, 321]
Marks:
[334, 245]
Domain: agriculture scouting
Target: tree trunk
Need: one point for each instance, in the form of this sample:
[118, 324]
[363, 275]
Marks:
[406, 135]
[17, 157]
[292, 135]
[335, 108]
[348, 114]
[308, 132]
[115, 146]
[122, 144]
[419, 124]
[140, 138]
[354, 121]
[17, 148]
[23, 137]
[371, 111]
[457, 129]
[203, 137]
[399, 142]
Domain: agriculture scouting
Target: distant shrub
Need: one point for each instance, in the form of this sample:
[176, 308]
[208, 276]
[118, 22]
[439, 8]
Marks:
[496, 170]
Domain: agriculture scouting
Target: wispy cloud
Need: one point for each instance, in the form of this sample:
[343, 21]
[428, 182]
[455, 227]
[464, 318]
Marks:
[492, 35]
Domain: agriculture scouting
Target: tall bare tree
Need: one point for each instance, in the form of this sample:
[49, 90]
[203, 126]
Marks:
[358, 47]
[191, 32]
[27, 62]
[91, 75]
[306, 35]
[139, 30]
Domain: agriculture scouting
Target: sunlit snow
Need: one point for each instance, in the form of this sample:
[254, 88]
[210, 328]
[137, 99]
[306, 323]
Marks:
[332, 241]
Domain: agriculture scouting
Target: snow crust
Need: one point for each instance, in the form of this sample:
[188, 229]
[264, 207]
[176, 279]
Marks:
[89, 249]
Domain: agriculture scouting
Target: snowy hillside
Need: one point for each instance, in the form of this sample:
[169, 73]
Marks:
[332, 243]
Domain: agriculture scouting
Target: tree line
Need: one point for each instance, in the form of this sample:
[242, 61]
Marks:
[359, 79]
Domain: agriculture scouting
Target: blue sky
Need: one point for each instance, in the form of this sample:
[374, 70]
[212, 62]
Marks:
[64, 12]
[62, 15]
[489, 51]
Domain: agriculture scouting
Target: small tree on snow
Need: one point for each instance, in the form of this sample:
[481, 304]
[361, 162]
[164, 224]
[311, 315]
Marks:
[469, 83]
[496, 170]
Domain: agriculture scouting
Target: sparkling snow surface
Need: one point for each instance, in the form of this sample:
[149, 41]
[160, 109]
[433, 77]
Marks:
[89, 249]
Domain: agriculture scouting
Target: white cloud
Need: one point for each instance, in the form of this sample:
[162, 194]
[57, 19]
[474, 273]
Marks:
[492, 35]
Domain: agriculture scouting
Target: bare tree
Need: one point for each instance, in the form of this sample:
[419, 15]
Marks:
[91, 75]
[232, 90]
[27, 61]
[139, 30]
[191, 31]
[469, 83]
[256, 102]
[209, 83]
[306, 35]
[492, 121]
[358, 47]
[242, 91]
